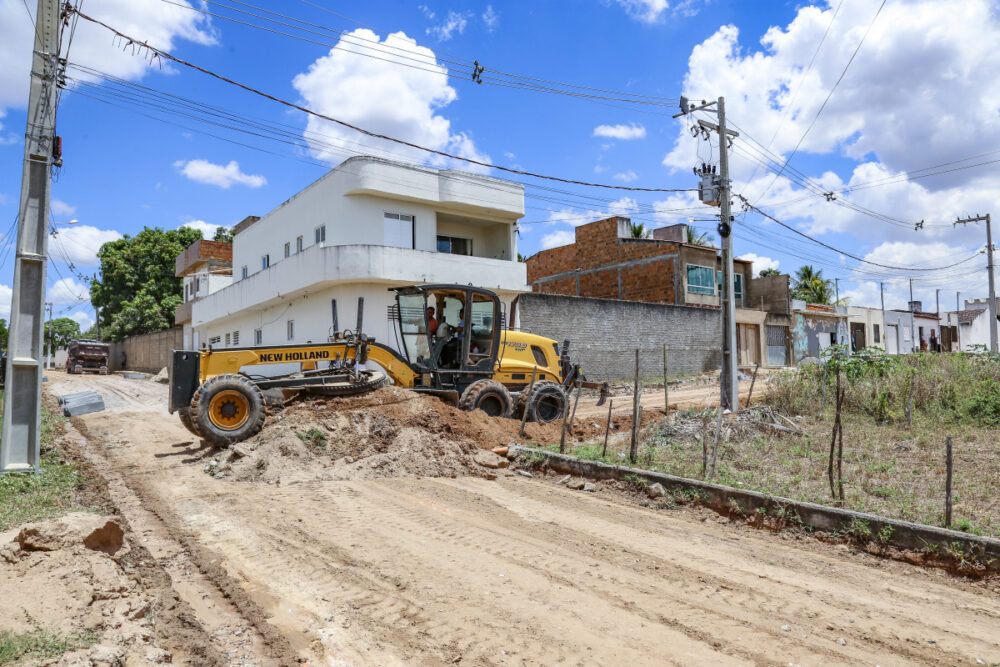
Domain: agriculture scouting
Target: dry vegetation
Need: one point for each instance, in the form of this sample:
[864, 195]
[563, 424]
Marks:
[892, 465]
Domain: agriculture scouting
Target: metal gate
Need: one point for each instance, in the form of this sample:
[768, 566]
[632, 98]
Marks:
[777, 345]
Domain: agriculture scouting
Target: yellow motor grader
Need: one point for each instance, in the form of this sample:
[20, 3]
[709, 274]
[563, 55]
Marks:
[452, 345]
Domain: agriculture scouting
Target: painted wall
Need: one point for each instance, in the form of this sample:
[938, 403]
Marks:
[869, 317]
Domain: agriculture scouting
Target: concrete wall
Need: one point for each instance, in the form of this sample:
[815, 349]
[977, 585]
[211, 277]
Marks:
[148, 353]
[897, 326]
[773, 291]
[870, 318]
[604, 332]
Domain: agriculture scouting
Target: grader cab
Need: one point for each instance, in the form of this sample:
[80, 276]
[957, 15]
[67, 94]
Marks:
[451, 343]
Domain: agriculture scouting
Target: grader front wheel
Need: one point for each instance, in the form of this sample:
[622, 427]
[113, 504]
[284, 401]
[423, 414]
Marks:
[227, 409]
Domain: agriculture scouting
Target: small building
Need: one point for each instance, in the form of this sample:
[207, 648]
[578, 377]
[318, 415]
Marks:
[962, 328]
[206, 267]
[911, 330]
[366, 226]
[816, 327]
[866, 327]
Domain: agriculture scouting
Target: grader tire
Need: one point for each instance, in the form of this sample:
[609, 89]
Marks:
[546, 404]
[185, 415]
[489, 396]
[227, 409]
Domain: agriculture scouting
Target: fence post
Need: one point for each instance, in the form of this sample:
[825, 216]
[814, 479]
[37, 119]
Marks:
[947, 484]
[527, 399]
[666, 390]
[607, 429]
[633, 448]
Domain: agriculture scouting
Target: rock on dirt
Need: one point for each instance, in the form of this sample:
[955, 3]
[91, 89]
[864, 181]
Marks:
[590, 487]
[92, 531]
[656, 490]
[489, 460]
[161, 377]
[575, 484]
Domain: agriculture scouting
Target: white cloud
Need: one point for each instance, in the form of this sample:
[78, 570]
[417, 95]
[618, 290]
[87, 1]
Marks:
[223, 176]
[160, 24]
[625, 176]
[623, 132]
[79, 243]
[557, 238]
[453, 22]
[648, 11]
[623, 206]
[67, 290]
[491, 18]
[82, 318]
[207, 229]
[6, 294]
[59, 207]
[356, 90]
[759, 262]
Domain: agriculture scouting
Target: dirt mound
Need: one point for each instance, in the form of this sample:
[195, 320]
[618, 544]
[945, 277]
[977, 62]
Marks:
[387, 433]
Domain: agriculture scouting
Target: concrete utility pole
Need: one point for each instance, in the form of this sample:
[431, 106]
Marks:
[958, 321]
[729, 380]
[913, 330]
[937, 302]
[19, 438]
[836, 304]
[48, 358]
[881, 293]
[989, 266]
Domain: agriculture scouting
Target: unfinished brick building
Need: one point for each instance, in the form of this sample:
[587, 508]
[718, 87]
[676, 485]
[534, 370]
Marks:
[606, 262]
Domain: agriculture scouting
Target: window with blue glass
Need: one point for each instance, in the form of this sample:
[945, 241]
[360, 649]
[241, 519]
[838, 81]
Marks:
[700, 279]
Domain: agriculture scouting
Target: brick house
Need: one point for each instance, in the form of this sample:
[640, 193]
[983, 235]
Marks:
[605, 262]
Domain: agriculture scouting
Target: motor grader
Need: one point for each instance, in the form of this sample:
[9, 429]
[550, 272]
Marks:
[451, 343]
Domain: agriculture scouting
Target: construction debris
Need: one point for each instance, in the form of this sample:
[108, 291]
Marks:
[81, 403]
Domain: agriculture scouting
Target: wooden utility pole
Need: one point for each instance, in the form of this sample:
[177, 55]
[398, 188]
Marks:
[989, 268]
[22, 402]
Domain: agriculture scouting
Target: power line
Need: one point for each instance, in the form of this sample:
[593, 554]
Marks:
[374, 135]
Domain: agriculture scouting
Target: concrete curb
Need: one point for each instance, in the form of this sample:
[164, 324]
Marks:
[729, 500]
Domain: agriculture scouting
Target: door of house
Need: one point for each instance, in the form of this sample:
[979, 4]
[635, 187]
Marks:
[892, 339]
[777, 345]
[857, 336]
[747, 344]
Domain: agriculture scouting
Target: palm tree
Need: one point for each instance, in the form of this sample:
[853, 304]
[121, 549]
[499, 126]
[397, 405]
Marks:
[693, 238]
[811, 286]
[639, 230]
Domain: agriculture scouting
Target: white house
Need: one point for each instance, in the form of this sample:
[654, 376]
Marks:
[364, 227]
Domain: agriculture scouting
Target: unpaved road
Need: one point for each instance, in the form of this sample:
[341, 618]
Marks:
[521, 571]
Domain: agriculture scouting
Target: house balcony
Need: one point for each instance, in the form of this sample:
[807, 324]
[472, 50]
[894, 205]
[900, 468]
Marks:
[182, 313]
[319, 267]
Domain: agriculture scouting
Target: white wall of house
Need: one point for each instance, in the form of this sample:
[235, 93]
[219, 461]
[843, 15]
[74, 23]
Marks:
[870, 318]
[201, 283]
[358, 257]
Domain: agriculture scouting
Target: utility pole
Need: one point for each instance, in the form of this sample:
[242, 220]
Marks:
[836, 304]
[989, 266]
[729, 380]
[19, 438]
[913, 329]
[48, 359]
[958, 321]
[937, 302]
[881, 293]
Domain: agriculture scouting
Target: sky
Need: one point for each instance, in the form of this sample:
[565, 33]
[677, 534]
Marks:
[857, 120]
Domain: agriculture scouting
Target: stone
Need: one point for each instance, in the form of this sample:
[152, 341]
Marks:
[590, 487]
[92, 531]
[564, 479]
[488, 459]
[656, 491]
[842, 641]
[524, 473]
[786, 628]
[162, 376]
[575, 484]
[239, 451]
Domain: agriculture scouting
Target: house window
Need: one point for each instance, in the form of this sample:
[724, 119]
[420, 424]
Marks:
[298, 244]
[236, 338]
[398, 230]
[228, 337]
[700, 279]
[243, 272]
[875, 333]
[258, 337]
[738, 284]
[215, 340]
[290, 328]
[454, 245]
[288, 249]
[265, 261]
[320, 234]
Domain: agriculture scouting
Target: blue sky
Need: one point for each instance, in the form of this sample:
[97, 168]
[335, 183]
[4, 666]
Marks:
[919, 92]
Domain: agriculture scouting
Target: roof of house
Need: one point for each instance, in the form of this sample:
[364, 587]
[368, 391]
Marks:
[967, 316]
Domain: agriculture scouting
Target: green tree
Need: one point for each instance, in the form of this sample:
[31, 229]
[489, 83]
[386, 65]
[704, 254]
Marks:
[638, 230]
[694, 238]
[137, 291]
[767, 273]
[60, 331]
[811, 286]
[224, 234]
[4, 334]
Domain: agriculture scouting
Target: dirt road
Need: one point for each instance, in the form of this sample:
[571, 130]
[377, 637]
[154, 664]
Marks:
[521, 571]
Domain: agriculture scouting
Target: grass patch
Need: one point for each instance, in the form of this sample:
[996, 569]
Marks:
[40, 643]
[29, 497]
[313, 437]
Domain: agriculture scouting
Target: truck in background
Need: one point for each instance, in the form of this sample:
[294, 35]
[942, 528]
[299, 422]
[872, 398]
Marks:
[88, 356]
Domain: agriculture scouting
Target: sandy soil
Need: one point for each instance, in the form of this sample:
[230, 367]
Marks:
[418, 570]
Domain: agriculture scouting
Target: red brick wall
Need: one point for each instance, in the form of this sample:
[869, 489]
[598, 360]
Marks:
[597, 245]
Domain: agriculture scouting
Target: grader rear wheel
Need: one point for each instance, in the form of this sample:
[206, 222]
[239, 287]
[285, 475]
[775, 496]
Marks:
[546, 403]
[227, 409]
[489, 396]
